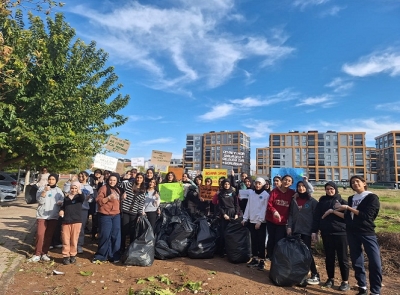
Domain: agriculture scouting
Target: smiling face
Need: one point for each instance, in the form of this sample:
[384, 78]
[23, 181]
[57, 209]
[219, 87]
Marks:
[287, 182]
[52, 180]
[227, 185]
[277, 182]
[301, 188]
[358, 185]
[170, 177]
[152, 184]
[149, 174]
[82, 178]
[73, 189]
[258, 185]
[330, 191]
[247, 183]
[112, 181]
[139, 179]
[208, 181]
[185, 177]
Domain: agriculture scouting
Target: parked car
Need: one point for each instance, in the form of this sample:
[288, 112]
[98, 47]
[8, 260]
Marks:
[8, 193]
[7, 180]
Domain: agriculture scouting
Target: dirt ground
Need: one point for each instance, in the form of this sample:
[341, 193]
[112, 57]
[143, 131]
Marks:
[176, 276]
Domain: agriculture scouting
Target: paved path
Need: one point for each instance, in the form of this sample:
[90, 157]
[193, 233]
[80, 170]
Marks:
[17, 231]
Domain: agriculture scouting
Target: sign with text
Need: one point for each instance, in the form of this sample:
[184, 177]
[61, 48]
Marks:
[192, 173]
[117, 145]
[170, 192]
[214, 174]
[105, 162]
[244, 194]
[178, 171]
[136, 162]
[208, 192]
[232, 158]
[160, 158]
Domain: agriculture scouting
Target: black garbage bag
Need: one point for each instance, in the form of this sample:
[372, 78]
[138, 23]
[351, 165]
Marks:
[141, 251]
[237, 242]
[181, 236]
[204, 244]
[290, 262]
[163, 251]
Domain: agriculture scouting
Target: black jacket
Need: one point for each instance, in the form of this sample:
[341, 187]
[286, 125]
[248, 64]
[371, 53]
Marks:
[363, 223]
[331, 224]
[72, 209]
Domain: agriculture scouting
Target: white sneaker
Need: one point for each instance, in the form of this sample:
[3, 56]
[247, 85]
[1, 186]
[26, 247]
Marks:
[34, 258]
[45, 257]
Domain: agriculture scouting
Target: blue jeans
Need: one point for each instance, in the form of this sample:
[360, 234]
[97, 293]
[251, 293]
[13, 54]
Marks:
[371, 248]
[110, 237]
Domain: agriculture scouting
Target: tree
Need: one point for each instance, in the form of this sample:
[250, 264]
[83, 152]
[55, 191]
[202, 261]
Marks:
[56, 94]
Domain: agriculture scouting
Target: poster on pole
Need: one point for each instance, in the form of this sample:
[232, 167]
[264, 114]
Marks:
[178, 171]
[136, 162]
[117, 145]
[296, 173]
[105, 162]
[214, 175]
[170, 192]
[232, 158]
[160, 158]
[208, 192]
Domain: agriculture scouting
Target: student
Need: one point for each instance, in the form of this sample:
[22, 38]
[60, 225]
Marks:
[359, 216]
[132, 207]
[267, 186]
[302, 209]
[333, 232]
[170, 177]
[204, 205]
[152, 202]
[108, 200]
[96, 180]
[247, 185]
[188, 184]
[254, 216]
[278, 212]
[228, 206]
[150, 175]
[50, 199]
[71, 213]
[277, 181]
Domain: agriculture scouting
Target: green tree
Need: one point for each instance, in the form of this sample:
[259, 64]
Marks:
[58, 99]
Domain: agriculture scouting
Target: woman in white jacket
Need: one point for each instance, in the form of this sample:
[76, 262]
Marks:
[50, 199]
[255, 213]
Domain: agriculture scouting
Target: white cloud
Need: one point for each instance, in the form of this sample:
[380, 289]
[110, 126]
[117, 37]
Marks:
[156, 141]
[387, 61]
[218, 112]
[304, 3]
[134, 118]
[185, 43]
[332, 11]
[391, 106]
[340, 85]
[323, 101]
[259, 128]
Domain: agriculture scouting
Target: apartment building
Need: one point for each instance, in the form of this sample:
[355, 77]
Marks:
[205, 151]
[371, 164]
[388, 157]
[324, 156]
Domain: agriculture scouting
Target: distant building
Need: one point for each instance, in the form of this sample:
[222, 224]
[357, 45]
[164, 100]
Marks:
[324, 156]
[176, 163]
[388, 157]
[205, 151]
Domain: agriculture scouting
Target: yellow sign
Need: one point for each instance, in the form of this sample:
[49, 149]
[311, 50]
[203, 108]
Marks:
[214, 174]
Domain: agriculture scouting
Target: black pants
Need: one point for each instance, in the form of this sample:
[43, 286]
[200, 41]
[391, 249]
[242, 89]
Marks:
[336, 245]
[128, 225]
[57, 234]
[258, 239]
[152, 217]
[275, 234]
[307, 240]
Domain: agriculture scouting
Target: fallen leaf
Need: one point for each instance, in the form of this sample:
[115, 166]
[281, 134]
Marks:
[86, 273]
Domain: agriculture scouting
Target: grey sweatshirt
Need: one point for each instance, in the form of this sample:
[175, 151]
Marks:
[48, 208]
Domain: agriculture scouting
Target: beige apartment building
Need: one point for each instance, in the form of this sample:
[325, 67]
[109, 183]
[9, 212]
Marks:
[388, 157]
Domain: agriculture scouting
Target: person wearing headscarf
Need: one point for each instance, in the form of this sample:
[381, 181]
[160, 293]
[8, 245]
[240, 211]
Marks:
[108, 200]
[50, 199]
[246, 184]
[71, 222]
[300, 222]
[332, 226]
[228, 207]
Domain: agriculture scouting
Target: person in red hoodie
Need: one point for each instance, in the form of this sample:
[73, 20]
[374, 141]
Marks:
[278, 212]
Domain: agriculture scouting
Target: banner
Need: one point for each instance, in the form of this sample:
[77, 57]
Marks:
[105, 162]
[208, 192]
[178, 171]
[192, 173]
[244, 193]
[296, 173]
[214, 174]
[160, 158]
[117, 145]
[136, 162]
[170, 192]
[232, 158]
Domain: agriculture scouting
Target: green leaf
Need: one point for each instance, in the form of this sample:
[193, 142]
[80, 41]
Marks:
[140, 281]
[85, 273]
[212, 272]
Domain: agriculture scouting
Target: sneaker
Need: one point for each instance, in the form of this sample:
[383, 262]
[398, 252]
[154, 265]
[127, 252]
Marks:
[344, 286]
[72, 259]
[116, 261]
[34, 258]
[58, 246]
[329, 283]
[252, 263]
[45, 257]
[80, 250]
[314, 280]
[362, 291]
[66, 261]
[261, 265]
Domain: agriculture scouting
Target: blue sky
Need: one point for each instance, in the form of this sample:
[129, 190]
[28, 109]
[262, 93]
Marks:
[259, 66]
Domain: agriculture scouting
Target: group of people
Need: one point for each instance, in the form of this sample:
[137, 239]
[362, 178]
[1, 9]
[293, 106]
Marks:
[271, 214]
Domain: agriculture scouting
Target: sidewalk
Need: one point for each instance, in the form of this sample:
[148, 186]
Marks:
[17, 231]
